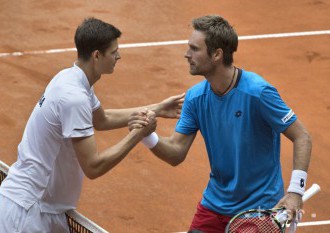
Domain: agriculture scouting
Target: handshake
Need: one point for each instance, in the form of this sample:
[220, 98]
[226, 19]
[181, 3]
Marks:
[144, 122]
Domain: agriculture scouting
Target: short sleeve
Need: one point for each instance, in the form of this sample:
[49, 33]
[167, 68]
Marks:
[187, 124]
[75, 113]
[275, 112]
[95, 101]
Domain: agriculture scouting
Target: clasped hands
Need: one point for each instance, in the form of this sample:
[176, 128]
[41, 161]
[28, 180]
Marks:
[145, 120]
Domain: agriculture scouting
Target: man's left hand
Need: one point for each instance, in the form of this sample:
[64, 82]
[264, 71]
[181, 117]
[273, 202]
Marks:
[292, 202]
[170, 107]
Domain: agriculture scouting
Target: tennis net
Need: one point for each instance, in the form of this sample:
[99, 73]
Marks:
[76, 221]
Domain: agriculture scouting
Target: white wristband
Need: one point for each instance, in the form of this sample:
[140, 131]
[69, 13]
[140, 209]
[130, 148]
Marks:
[151, 140]
[298, 182]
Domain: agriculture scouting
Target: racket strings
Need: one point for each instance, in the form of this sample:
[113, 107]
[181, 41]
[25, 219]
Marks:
[255, 222]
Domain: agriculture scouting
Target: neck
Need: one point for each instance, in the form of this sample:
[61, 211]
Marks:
[224, 80]
[89, 71]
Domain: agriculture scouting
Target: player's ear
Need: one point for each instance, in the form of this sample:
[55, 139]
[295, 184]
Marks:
[96, 55]
[217, 54]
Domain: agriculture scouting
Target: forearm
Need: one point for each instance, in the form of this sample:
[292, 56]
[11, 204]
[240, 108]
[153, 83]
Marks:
[110, 157]
[173, 150]
[302, 152]
[156, 108]
[118, 118]
[168, 152]
[302, 147]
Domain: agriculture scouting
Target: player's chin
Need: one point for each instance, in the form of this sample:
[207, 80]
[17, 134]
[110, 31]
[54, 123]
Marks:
[193, 71]
[110, 71]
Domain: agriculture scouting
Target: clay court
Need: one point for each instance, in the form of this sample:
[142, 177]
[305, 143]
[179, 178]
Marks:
[143, 194]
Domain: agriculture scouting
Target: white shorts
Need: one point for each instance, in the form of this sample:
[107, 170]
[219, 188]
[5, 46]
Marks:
[15, 219]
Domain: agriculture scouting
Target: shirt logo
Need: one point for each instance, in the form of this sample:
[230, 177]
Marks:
[238, 114]
[287, 116]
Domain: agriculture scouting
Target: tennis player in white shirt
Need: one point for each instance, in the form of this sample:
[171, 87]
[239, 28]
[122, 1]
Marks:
[58, 146]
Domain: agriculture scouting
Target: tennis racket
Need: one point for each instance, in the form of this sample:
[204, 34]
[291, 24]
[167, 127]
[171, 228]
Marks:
[264, 221]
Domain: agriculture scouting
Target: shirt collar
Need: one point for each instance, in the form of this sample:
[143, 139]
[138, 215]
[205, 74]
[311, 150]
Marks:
[82, 76]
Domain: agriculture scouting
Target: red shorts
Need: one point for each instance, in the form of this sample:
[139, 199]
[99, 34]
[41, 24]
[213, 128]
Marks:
[208, 221]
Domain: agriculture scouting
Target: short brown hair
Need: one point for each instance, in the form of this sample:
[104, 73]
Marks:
[219, 34]
[94, 34]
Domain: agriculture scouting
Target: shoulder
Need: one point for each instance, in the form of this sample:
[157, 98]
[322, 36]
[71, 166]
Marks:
[67, 83]
[253, 84]
[69, 94]
[65, 72]
[198, 90]
[74, 97]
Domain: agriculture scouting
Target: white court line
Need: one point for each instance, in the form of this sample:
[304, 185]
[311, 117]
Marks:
[175, 42]
[302, 224]
[315, 223]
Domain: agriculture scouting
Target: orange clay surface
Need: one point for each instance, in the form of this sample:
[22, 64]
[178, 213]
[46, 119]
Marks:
[143, 194]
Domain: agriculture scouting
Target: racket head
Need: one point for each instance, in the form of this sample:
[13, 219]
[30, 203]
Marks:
[256, 221]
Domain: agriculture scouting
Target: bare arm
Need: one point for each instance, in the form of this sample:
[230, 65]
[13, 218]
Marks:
[95, 164]
[117, 118]
[174, 149]
[113, 118]
[302, 145]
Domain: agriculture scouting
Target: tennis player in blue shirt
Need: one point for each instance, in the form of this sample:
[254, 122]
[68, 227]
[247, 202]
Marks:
[241, 117]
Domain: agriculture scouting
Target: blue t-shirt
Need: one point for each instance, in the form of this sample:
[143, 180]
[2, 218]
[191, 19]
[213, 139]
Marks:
[242, 136]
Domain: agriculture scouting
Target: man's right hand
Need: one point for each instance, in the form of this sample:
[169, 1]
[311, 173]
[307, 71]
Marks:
[145, 121]
[152, 125]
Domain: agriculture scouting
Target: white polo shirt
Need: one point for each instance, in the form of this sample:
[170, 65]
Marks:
[47, 170]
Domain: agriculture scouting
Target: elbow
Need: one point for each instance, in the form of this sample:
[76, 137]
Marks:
[91, 172]
[91, 175]
[309, 142]
[176, 162]
[303, 138]
[307, 138]
[177, 158]
[98, 127]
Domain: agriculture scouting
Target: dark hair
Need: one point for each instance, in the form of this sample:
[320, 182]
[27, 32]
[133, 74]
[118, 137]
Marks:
[219, 34]
[94, 34]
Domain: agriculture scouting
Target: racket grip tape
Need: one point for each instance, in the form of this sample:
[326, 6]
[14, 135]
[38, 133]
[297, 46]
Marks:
[315, 188]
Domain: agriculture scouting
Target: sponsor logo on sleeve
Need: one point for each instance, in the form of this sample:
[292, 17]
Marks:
[287, 116]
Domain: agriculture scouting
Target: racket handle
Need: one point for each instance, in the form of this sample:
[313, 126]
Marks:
[311, 192]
